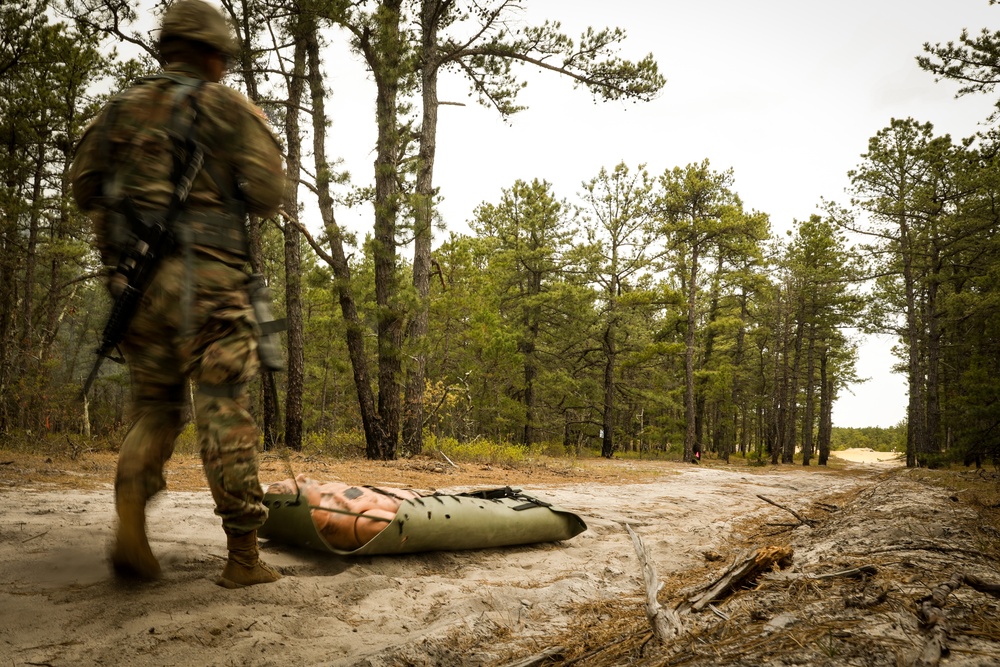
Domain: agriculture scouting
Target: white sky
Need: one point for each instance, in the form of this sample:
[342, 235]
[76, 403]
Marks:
[784, 92]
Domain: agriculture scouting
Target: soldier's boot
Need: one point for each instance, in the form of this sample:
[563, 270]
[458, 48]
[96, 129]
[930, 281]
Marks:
[131, 555]
[244, 567]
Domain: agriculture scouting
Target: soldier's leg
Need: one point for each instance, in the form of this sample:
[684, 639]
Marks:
[156, 420]
[229, 440]
[227, 437]
[227, 434]
[147, 447]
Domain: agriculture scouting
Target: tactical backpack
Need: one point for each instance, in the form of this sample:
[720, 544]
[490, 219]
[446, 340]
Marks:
[159, 138]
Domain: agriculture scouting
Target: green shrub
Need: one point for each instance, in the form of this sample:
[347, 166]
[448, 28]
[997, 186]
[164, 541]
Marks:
[339, 444]
[556, 450]
[187, 441]
[480, 450]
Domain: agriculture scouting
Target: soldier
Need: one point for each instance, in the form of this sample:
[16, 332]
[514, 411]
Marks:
[195, 321]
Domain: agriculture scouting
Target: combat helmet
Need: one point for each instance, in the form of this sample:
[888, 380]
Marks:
[197, 21]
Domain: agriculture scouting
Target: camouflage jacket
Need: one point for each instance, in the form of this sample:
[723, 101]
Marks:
[127, 151]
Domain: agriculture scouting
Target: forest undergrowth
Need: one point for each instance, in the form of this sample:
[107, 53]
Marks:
[904, 572]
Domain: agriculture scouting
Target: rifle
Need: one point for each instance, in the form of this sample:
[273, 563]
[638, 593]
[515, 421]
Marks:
[138, 265]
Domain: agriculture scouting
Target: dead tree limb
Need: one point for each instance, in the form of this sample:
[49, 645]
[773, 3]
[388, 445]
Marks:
[925, 546]
[741, 573]
[852, 573]
[864, 602]
[934, 619]
[801, 519]
[538, 658]
[665, 622]
[453, 464]
[982, 585]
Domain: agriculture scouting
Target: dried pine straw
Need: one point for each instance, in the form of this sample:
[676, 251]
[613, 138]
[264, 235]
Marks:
[881, 551]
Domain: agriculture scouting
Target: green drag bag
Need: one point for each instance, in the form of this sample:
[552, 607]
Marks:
[475, 520]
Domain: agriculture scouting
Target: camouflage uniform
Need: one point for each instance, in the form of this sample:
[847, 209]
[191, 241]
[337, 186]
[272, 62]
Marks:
[195, 320]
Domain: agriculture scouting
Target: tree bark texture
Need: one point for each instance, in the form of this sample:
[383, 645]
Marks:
[387, 71]
[337, 258]
[423, 218]
[295, 371]
[690, 409]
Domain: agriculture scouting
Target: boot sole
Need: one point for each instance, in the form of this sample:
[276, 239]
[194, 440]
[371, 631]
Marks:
[134, 560]
[226, 582]
[129, 571]
[229, 583]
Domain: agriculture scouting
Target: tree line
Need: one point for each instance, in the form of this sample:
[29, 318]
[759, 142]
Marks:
[648, 312]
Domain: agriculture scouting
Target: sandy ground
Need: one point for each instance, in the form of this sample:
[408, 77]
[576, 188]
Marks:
[59, 605]
[867, 455]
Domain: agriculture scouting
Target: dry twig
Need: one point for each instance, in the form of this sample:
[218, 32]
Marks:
[742, 572]
[666, 623]
[538, 658]
[802, 520]
[934, 618]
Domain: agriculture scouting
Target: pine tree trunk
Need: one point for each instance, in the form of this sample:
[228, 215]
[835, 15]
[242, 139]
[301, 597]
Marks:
[607, 441]
[337, 259]
[791, 413]
[825, 409]
[934, 443]
[690, 409]
[916, 433]
[389, 318]
[530, 372]
[423, 215]
[808, 418]
[270, 413]
[294, 372]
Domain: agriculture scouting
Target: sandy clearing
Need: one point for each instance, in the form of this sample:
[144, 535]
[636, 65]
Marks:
[60, 606]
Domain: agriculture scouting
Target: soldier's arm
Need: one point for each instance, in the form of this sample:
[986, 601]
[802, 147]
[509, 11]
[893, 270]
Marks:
[87, 180]
[87, 171]
[259, 165]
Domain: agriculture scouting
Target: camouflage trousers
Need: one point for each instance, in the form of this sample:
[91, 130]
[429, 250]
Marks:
[203, 330]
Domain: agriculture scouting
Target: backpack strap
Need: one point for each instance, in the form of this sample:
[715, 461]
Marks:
[225, 231]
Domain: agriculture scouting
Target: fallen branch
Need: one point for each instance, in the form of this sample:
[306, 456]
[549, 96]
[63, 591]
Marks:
[852, 573]
[982, 585]
[538, 658]
[925, 546]
[934, 618]
[801, 519]
[742, 573]
[715, 610]
[665, 622]
[447, 459]
[863, 602]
